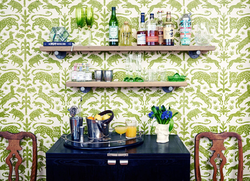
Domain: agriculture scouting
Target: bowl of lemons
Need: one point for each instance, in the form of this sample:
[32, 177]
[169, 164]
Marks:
[98, 126]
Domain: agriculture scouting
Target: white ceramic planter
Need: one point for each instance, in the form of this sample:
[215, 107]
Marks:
[162, 131]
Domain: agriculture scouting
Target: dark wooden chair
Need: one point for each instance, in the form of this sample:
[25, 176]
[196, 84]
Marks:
[217, 147]
[14, 145]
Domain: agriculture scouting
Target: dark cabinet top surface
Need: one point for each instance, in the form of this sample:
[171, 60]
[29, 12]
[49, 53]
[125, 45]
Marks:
[150, 147]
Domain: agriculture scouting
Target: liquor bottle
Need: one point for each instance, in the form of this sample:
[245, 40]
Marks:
[160, 28]
[125, 35]
[80, 74]
[113, 29]
[168, 31]
[185, 29]
[141, 34]
[74, 73]
[88, 74]
[151, 32]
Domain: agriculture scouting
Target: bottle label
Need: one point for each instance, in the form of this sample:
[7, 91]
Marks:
[74, 75]
[113, 33]
[141, 39]
[160, 34]
[81, 76]
[168, 33]
[185, 31]
[152, 39]
[88, 76]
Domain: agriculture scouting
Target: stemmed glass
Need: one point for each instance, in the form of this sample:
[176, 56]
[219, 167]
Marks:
[80, 21]
[121, 129]
[89, 20]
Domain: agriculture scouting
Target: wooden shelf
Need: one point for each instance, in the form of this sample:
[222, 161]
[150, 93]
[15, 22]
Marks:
[127, 48]
[126, 84]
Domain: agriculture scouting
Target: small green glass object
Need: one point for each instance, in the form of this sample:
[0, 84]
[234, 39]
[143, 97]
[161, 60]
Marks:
[126, 79]
[176, 78]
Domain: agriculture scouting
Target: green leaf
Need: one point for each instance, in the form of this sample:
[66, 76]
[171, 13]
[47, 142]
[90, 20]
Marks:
[163, 108]
[171, 124]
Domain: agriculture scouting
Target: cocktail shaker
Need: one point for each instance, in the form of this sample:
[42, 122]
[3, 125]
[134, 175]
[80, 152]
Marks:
[75, 123]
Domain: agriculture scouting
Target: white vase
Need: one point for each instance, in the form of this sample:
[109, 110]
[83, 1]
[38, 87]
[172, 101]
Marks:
[162, 131]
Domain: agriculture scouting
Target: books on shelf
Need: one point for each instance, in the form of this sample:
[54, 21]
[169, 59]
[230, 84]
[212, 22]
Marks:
[58, 43]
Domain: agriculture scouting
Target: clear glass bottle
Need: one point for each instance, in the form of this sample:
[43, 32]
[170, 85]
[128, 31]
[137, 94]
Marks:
[160, 28]
[125, 35]
[151, 32]
[185, 29]
[168, 31]
[74, 73]
[88, 74]
[80, 74]
[113, 29]
[141, 34]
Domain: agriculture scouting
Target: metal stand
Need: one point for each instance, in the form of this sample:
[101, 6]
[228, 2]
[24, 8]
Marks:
[194, 54]
[60, 55]
[85, 89]
[168, 89]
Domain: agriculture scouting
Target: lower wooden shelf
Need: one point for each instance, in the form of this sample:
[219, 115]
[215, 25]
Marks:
[126, 84]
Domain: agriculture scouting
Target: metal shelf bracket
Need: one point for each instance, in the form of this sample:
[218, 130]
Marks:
[85, 89]
[194, 54]
[60, 55]
[168, 89]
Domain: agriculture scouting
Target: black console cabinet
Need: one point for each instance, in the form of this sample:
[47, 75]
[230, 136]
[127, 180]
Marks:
[150, 161]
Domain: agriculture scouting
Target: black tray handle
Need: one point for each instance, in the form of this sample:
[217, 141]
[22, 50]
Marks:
[107, 121]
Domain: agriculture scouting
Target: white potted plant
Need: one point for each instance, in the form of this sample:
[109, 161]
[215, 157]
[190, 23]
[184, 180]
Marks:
[164, 118]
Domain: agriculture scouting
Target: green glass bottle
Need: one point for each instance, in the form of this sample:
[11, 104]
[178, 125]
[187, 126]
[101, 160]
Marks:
[113, 29]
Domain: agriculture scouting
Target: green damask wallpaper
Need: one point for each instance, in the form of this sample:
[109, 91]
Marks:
[34, 98]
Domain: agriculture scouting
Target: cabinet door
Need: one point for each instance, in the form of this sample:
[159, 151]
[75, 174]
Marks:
[80, 169]
[155, 169]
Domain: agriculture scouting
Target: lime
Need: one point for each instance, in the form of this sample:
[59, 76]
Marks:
[90, 16]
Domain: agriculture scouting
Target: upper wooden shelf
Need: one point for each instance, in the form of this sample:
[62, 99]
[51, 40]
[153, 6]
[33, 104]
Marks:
[127, 48]
[126, 84]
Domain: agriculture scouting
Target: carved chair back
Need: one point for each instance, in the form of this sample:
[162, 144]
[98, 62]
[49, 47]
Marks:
[14, 145]
[217, 147]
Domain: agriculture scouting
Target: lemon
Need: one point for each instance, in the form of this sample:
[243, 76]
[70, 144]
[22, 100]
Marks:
[105, 116]
[98, 117]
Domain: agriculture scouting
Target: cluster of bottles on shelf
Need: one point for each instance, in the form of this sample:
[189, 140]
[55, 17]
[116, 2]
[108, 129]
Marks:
[80, 73]
[150, 33]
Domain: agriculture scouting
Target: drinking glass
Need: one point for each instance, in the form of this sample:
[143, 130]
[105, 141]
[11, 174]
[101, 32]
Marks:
[127, 66]
[89, 21]
[145, 74]
[131, 68]
[121, 129]
[150, 75]
[202, 34]
[131, 129]
[163, 75]
[138, 69]
[80, 21]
